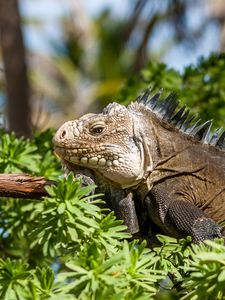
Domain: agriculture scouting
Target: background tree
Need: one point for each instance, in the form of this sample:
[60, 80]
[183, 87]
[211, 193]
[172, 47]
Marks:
[13, 53]
[216, 10]
[94, 54]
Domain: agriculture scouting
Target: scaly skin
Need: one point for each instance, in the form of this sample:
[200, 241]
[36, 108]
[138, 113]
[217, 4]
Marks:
[143, 162]
[80, 143]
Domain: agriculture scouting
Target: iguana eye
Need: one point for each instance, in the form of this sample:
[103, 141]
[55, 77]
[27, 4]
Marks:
[97, 129]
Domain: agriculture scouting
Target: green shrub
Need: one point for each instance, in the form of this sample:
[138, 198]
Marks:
[68, 247]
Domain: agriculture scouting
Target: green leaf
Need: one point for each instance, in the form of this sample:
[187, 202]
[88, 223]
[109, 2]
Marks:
[61, 208]
[221, 276]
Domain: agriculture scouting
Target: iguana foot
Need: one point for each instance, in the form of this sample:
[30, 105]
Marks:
[205, 229]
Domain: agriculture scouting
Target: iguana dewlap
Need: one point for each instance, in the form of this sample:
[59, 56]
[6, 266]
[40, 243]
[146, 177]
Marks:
[152, 155]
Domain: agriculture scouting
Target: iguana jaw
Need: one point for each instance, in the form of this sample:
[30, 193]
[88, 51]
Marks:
[125, 171]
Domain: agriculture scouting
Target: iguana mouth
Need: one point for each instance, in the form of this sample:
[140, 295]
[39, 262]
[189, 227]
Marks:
[68, 156]
[62, 148]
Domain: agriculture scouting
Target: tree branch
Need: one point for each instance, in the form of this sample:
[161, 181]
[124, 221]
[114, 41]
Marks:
[141, 54]
[132, 22]
[23, 186]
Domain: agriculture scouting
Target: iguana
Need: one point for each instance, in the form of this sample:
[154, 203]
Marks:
[152, 158]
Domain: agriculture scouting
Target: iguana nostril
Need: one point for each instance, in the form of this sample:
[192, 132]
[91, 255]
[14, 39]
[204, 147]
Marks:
[63, 134]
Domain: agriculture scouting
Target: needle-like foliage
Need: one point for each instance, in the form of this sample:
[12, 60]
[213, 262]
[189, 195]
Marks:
[68, 246]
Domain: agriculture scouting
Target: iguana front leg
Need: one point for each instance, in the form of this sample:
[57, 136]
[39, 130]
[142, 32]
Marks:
[192, 221]
[124, 207]
[179, 218]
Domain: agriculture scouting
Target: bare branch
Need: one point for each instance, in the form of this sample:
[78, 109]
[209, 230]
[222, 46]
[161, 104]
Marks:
[132, 22]
[23, 186]
[141, 54]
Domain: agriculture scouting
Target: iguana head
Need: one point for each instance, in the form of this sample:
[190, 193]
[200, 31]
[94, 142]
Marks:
[105, 143]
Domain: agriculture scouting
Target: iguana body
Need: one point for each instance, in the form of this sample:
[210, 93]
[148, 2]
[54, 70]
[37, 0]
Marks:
[150, 154]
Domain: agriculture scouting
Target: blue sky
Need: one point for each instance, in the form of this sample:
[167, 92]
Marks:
[39, 38]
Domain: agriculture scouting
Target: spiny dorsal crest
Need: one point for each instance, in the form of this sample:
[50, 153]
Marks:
[168, 109]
